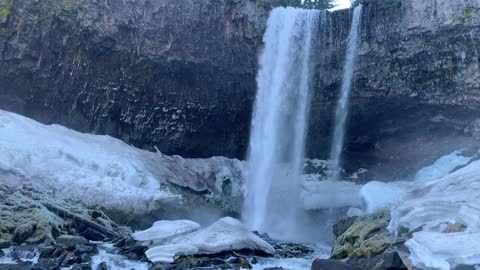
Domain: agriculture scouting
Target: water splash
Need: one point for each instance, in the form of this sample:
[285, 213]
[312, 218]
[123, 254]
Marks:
[342, 104]
[276, 150]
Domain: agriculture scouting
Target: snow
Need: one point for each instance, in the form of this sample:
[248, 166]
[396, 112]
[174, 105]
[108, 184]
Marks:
[378, 195]
[442, 167]
[433, 206]
[103, 171]
[227, 234]
[166, 253]
[433, 250]
[74, 165]
[164, 230]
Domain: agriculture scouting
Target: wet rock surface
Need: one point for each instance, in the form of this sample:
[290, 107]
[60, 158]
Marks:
[365, 243]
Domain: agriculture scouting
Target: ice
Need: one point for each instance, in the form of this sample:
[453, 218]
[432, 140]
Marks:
[442, 167]
[227, 234]
[224, 235]
[166, 253]
[378, 195]
[435, 205]
[433, 250]
[164, 230]
[103, 171]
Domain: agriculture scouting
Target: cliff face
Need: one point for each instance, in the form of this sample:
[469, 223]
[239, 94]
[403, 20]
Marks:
[416, 90]
[180, 75]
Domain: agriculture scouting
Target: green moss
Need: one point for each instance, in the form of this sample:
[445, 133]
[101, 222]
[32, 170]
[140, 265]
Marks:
[365, 238]
[466, 15]
[5, 9]
[450, 64]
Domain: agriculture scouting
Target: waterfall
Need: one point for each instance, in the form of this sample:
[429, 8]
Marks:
[279, 123]
[342, 104]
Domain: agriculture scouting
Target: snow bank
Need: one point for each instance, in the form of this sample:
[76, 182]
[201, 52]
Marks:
[227, 234]
[442, 167]
[453, 199]
[100, 170]
[433, 250]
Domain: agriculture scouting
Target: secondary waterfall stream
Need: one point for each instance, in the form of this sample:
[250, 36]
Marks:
[343, 100]
[276, 150]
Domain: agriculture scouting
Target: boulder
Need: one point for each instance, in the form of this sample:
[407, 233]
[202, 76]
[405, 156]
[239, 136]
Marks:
[366, 237]
[321, 264]
[5, 244]
[226, 234]
[23, 232]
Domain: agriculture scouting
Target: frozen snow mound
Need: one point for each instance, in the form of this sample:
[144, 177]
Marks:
[433, 250]
[164, 230]
[227, 234]
[97, 170]
[166, 253]
[435, 205]
[104, 171]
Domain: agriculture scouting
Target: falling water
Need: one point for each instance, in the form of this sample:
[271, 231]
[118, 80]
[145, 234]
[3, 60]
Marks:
[342, 104]
[276, 150]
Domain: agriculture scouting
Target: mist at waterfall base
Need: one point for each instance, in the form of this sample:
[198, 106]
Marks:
[343, 100]
[276, 150]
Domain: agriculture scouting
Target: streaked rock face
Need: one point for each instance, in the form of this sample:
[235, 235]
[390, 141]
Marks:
[180, 75]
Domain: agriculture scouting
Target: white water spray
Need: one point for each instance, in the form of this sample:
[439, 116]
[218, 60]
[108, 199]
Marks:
[342, 104]
[276, 150]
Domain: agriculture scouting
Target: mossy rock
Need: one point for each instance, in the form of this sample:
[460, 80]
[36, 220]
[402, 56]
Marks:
[366, 237]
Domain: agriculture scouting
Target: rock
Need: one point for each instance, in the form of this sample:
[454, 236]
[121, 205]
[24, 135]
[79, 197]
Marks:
[320, 264]
[103, 266]
[366, 237]
[393, 261]
[23, 232]
[342, 225]
[5, 244]
[453, 228]
[71, 240]
[164, 230]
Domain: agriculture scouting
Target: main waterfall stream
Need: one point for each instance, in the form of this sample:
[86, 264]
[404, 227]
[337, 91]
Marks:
[276, 150]
[343, 100]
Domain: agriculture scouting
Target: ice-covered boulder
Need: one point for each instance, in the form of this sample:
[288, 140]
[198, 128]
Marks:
[165, 230]
[227, 234]
[166, 253]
